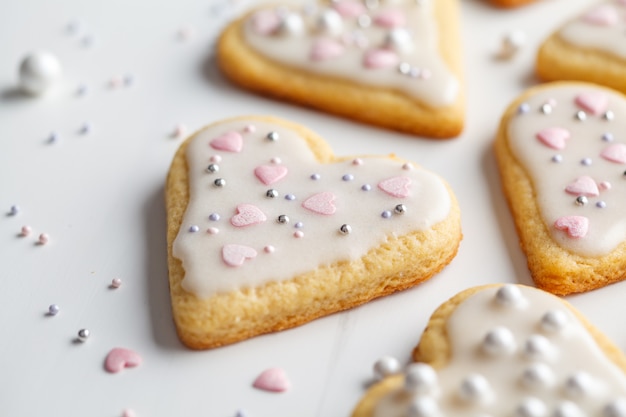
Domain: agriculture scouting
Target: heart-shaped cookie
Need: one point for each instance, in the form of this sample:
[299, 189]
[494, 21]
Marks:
[394, 64]
[505, 351]
[331, 234]
[589, 47]
[562, 156]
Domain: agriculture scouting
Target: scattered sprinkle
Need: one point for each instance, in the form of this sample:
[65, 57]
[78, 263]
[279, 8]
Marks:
[357, 161]
[523, 108]
[116, 283]
[185, 33]
[601, 204]
[14, 210]
[298, 225]
[85, 128]
[53, 310]
[119, 358]
[315, 177]
[87, 41]
[298, 234]
[53, 137]
[607, 137]
[366, 187]
[348, 177]
[179, 131]
[275, 160]
[273, 380]
[43, 238]
[214, 217]
[290, 197]
[83, 335]
[249, 129]
[82, 90]
[586, 161]
[386, 214]
[269, 249]
[128, 413]
[557, 158]
[213, 230]
[407, 166]
[345, 229]
[26, 230]
[194, 228]
[216, 158]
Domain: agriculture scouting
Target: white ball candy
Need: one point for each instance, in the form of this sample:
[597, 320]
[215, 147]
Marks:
[475, 389]
[538, 347]
[423, 407]
[531, 407]
[511, 43]
[499, 341]
[386, 366]
[291, 24]
[330, 21]
[39, 72]
[399, 39]
[420, 379]
[553, 321]
[579, 384]
[616, 408]
[568, 409]
[538, 376]
[509, 295]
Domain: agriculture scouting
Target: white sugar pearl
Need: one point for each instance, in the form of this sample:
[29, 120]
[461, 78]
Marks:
[475, 388]
[39, 72]
[554, 321]
[399, 39]
[531, 407]
[420, 379]
[509, 295]
[579, 384]
[386, 366]
[616, 408]
[568, 409]
[292, 24]
[538, 375]
[538, 347]
[329, 21]
[423, 407]
[499, 341]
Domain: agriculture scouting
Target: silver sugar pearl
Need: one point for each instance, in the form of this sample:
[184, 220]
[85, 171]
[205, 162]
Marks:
[220, 182]
[273, 136]
[83, 335]
[581, 200]
[546, 108]
[400, 209]
[284, 219]
[213, 168]
[271, 193]
[581, 115]
[609, 115]
[345, 229]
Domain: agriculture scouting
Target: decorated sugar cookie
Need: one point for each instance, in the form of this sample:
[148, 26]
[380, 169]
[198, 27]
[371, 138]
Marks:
[589, 47]
[391, 63]
[561, 150]
[505, 351]
[267, 229]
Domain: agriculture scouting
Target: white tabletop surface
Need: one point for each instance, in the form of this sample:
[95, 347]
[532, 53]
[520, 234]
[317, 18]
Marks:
[99, 196]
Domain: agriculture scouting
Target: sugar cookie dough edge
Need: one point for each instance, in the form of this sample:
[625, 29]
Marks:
[377, 106]
[553, 268]
[193, 316]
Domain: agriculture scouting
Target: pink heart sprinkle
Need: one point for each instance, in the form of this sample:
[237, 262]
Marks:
[265, 22]
[584, 185]
[324, 49]
[390, 19]
[575, 226]
[380, 58]
[321, 203]
[615, 153]
[229, 141]
[604, 15]
[269, 174]
[273, 379]
[554, 137]
[349, 8]
[396, 186]
[594, 102]
[120, 358]
[247, 215]
[235, 255]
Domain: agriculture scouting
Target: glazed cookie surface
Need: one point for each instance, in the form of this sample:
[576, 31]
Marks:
[561, 152]
[589, 47]
[267, 229]
[394, 64]
[504, 350]
[510, 3]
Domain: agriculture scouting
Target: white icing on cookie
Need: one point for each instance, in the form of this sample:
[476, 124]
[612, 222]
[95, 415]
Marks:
[577, 379]
[601, 27]
[272, 211]
[576, 166]
[394, 45]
